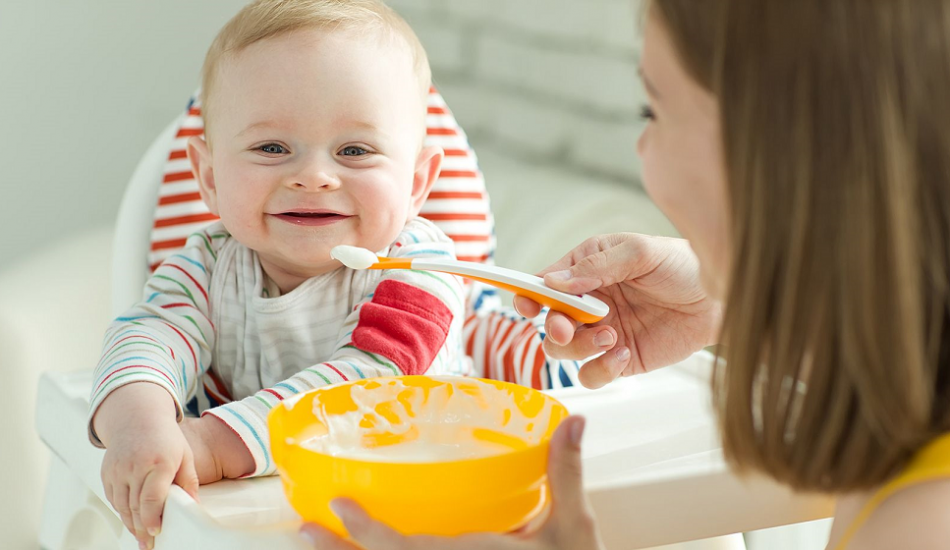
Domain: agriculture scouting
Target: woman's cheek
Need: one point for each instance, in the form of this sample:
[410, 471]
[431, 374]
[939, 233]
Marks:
[652, 180]
[642, 143]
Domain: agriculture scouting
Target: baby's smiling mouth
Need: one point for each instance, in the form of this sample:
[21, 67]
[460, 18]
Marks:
[310, 214]
[311, 217]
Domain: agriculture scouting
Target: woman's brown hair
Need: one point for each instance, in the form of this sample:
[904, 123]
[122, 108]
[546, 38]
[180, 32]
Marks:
[836, 133]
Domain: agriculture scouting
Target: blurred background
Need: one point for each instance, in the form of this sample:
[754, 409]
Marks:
[86, 86]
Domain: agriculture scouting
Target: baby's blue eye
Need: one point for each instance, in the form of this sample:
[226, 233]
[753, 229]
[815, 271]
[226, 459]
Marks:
[353, 151]
[272, 149]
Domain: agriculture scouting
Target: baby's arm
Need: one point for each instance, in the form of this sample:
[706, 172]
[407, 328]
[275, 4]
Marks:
[503, 345]
[410, 322]
[152, 359]
[137, 471]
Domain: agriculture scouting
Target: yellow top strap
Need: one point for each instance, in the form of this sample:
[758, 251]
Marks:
[931, 462]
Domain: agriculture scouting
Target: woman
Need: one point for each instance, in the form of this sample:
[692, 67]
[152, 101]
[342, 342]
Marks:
[802, 148]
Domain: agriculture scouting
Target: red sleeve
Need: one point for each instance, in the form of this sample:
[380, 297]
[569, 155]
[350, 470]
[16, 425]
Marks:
[405, 324]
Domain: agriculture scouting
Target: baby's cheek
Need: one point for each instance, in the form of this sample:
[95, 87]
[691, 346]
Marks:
[381, 230]
[243, 218]
[385, 212]
[235, 213]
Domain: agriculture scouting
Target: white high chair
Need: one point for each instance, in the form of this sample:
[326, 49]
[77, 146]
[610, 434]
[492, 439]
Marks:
[653, 466]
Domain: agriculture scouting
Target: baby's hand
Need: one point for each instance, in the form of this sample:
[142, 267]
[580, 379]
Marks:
[146, 452]
[218, 452]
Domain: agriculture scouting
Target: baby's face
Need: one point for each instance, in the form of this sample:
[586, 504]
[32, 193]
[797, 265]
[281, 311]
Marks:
[316, 141]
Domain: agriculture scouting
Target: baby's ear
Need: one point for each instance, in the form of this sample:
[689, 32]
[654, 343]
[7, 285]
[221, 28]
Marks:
[428, 166]
[201, 167]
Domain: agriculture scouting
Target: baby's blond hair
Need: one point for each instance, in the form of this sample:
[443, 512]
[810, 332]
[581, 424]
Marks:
[264, 19]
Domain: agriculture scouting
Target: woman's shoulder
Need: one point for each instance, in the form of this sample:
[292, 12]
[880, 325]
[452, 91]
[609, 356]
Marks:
[916, 517]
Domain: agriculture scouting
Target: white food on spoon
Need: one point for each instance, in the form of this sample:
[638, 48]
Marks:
[353, 257]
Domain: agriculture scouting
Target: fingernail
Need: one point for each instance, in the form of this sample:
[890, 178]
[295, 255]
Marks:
[560, 275]
[336, 508]
[623, 354]
[308, 536]
[154, 531]
[577, 432]
[604, 339]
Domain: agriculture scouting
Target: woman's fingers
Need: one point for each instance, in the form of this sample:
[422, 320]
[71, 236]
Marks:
[571, 524]
[565, 473]
[526, 307]
[324, 539]
[366, 531]
[565, 340]
[560, 330]
[590, 265]
[609, 264]
[580, 279]
[370, 534]
[605, 369]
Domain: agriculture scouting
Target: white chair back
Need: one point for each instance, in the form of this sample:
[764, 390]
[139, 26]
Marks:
[133, 226]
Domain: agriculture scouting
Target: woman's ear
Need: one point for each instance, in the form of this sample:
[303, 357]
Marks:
[428, 167]
[201, 167]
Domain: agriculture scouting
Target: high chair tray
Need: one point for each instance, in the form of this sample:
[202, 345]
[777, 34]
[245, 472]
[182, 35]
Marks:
[652, 464]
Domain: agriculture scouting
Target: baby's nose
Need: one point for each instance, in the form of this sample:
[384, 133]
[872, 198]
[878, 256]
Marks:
[319, 180]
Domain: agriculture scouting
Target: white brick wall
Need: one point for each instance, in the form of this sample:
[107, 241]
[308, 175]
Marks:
[551, 82]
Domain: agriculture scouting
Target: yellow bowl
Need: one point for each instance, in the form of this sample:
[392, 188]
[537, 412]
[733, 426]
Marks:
[355, 440]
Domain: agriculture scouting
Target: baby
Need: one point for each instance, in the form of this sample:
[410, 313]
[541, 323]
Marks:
[314, 116]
